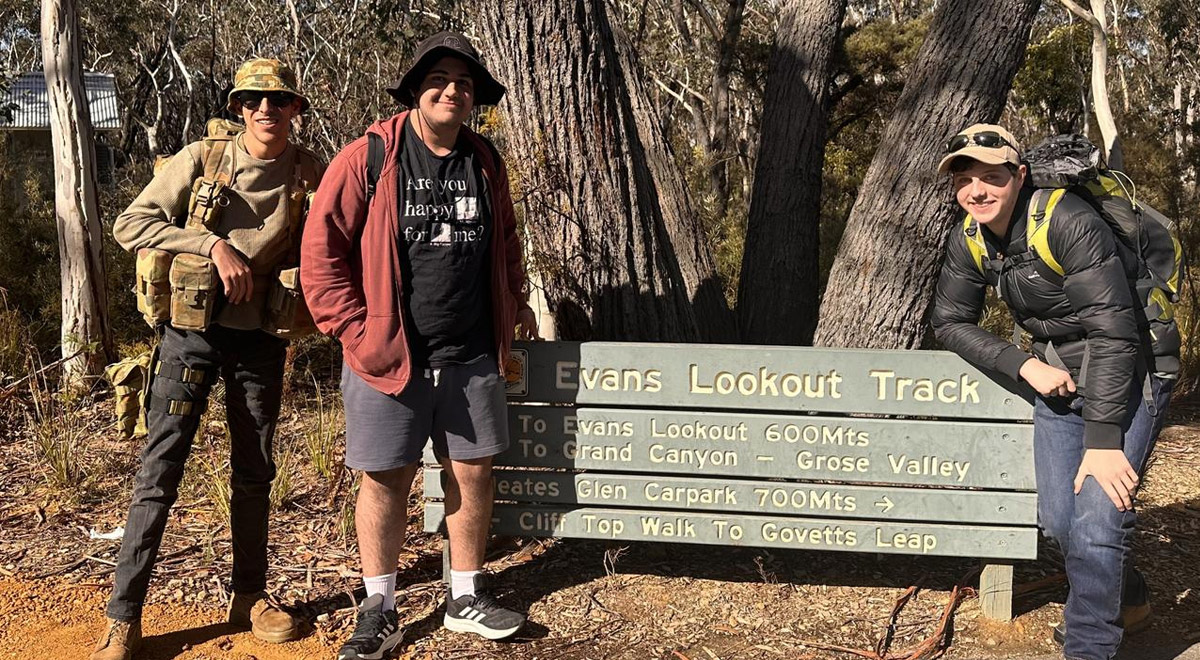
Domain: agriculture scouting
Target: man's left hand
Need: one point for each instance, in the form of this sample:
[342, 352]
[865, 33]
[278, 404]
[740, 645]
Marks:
[1112, 471]
[527, 326]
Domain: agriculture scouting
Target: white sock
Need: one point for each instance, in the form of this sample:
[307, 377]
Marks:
[462, 583]
[384, 585]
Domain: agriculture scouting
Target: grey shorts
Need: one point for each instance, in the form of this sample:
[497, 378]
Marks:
[461, 407]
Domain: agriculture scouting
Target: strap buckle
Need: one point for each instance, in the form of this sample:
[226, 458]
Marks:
[178, 372]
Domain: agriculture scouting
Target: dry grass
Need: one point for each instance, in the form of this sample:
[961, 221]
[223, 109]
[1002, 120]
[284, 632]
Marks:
[282, 488]
[214, 482]
[58, 436]
[322, 434]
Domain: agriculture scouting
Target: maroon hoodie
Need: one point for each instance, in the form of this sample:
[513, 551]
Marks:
[350, 262]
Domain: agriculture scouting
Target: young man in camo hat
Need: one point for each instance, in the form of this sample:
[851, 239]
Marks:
[264, 176]
[416, 269]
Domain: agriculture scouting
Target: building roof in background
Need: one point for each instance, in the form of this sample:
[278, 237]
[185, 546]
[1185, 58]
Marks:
[28, 92]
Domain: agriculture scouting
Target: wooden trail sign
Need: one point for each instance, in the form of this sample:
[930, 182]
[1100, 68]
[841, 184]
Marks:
[912, 452]
[923, 383]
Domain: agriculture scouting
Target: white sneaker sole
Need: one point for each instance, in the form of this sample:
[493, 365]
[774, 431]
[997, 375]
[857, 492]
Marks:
[469, 626]
[389, 643]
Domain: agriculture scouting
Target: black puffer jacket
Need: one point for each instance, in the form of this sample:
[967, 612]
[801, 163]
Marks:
[1086, 314]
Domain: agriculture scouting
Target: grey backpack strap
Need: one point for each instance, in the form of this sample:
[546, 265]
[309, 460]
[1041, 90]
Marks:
[1055, 361]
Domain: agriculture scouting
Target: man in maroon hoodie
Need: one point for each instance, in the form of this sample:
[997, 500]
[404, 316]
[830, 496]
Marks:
[418, 274]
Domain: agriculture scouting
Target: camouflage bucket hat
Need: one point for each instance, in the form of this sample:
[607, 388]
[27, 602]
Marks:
[265, 75]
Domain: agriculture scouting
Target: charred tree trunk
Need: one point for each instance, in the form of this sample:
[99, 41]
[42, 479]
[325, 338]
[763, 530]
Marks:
[781, 262]
[615, 235]
[86, 337]
[887, 264]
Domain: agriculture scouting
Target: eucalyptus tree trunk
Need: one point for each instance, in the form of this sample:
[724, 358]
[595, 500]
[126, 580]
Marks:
[616, 238]
[1097, 19]
[86, 337]
[779, 288]
[887, 264]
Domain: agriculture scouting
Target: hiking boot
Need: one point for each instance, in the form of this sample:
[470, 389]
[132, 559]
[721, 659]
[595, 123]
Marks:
[265, 619]
[119, 641]
[1134, 619]
[376, 632]
[481, 614]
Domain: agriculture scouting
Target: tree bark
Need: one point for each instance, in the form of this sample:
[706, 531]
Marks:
[883, 276]
[85, 328]
[781, 261]
[615, 234]
[719, 145]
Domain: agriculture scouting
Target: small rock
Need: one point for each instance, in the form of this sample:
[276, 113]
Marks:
[990, 641]
[323, 617]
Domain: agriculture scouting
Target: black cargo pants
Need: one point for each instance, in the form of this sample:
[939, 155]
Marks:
[251, 362]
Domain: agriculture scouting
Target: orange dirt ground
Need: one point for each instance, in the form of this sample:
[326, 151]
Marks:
[62, 622]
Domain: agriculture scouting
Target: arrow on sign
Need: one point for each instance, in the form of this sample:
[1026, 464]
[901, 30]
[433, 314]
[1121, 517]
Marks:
[885, 504]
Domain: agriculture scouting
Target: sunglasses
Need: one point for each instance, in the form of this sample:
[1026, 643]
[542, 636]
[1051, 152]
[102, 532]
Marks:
[987, 139]
[254, 99]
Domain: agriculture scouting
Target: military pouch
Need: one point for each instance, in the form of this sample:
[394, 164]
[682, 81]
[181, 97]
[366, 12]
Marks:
[152, 285]
[129, 379]
[194, 290]
[209, 196]
[287, 315]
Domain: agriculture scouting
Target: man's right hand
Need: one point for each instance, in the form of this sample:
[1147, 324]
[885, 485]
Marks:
[235, 274]
[1047, 380]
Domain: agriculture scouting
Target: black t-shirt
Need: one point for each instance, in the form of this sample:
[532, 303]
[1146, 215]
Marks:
[445, 236]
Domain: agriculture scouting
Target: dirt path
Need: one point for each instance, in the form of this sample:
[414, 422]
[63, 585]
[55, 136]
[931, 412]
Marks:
[45, 620]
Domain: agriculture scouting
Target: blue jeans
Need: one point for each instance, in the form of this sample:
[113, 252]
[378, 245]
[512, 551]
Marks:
[1094, 536]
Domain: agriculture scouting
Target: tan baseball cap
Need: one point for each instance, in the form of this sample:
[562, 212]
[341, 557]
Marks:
[986, 143]
[265, 75]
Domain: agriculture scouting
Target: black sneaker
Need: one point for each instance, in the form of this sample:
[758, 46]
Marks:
[481, 614]
[376, 632]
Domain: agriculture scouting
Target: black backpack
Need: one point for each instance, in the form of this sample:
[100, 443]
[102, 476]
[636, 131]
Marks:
[1072, 163]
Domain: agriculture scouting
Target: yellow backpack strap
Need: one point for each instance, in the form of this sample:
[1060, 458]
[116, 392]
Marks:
[1159, 306]
[975, 244]
[1037, 230]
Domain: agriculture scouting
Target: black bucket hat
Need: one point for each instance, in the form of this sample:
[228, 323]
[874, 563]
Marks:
[487, 90]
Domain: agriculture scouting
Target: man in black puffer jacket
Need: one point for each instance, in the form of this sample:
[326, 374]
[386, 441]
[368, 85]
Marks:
[1093, 428]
